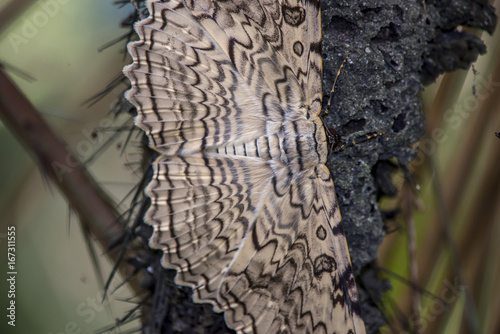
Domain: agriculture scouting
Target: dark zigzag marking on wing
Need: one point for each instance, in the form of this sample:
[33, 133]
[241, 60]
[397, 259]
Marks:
[298, 146]
[226, 240]
[347, 276]
[287, 263]
[314, 208]
[316, 143]
[151, 92]
[338, 230]
[234, 42]
[196, 52]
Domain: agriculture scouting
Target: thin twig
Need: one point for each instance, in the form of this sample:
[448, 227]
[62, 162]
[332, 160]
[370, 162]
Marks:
[95, 209]
[12, 10]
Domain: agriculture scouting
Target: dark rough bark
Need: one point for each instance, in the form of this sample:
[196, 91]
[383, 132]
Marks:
[394, 47]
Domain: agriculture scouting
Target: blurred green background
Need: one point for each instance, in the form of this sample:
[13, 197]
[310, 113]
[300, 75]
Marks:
[57, 288]
[56, 42]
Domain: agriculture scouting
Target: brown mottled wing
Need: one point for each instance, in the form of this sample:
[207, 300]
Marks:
[213, 82]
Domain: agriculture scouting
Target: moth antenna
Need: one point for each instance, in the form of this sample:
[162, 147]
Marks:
[332, 91]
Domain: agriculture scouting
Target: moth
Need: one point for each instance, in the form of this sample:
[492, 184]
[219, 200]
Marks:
[242, 204]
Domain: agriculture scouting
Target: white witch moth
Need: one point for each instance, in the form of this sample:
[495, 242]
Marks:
[242, 204]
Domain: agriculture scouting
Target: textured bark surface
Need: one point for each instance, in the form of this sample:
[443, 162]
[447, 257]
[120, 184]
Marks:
[394, 49]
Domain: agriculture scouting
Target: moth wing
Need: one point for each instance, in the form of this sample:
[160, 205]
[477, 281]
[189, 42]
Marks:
[198, 86]
[201, 210]
[295, 276]
[207, 75]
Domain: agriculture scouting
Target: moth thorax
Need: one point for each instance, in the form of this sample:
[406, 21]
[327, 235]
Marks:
[304, 142]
